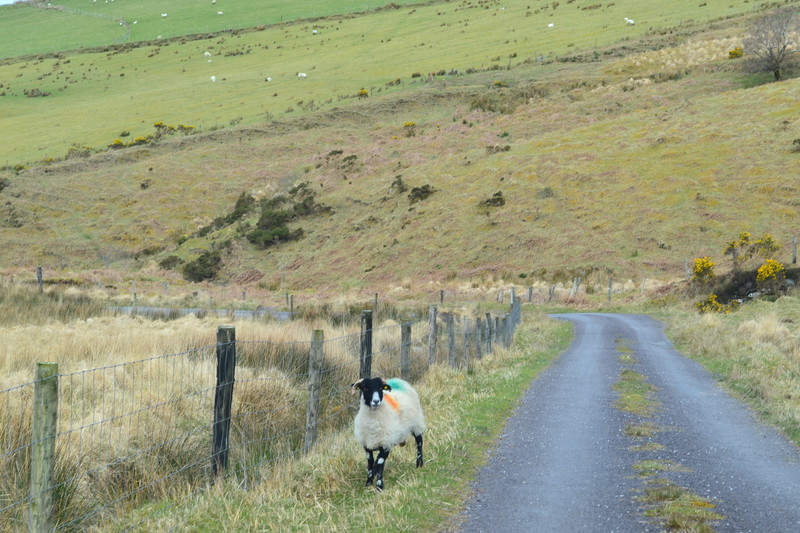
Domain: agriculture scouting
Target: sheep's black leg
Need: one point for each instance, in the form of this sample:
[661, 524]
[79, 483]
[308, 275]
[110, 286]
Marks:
[418, 438]
[383, 453]
[370, 467]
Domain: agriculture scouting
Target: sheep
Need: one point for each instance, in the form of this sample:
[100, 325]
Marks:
[629, 22]
[550, 25]
[220, 13]
[389, 413]
[163, 14]
[213, 79]
[314, 32]
[302, 75]
[207, 53]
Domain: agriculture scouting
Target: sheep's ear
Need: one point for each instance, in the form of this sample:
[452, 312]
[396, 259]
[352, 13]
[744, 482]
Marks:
[356, 386]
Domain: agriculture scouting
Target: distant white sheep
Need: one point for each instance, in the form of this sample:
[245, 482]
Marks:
[163, 14]
[550, 25]
[268, 79]
[302, 75]
[389, 413]
[213, 79]
[219, 13]
[207, 53]
[629, 22]
[314, 32]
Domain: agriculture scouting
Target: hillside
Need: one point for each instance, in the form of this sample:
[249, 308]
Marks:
[629, 157]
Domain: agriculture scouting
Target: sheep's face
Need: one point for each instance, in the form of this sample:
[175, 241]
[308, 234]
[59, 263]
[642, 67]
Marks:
[372, 390]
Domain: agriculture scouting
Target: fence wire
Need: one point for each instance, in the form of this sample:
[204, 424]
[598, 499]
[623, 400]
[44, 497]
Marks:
[135, 439]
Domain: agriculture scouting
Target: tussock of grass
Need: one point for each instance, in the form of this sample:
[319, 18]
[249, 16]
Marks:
[678, 508]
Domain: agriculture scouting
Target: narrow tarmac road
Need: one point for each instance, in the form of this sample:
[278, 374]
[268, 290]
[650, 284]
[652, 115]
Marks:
[566, 460]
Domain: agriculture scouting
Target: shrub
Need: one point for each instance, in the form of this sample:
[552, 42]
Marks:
[496, 200]
[78, 152]
[770, 272]
[363, 93]
[744, 248]
[170, 262]
[409, 128]
[398, 185]
[418, 194]
[736, 53]
[703, 271]
[271, 228]
[205, 267]
[712, 305]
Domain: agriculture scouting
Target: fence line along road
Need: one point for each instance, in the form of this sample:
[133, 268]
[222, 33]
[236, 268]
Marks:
[79, 448]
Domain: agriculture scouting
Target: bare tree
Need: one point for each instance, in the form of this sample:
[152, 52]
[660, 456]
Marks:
[772, 42]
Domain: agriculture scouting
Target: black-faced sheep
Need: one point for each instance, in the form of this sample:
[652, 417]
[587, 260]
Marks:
[388, 414]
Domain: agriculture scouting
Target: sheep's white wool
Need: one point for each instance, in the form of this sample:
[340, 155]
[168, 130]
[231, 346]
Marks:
[302, 75]
[213, 79]
[387, 427]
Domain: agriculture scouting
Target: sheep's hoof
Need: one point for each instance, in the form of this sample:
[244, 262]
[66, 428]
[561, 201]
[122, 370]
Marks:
[420, 462]
[379, 487]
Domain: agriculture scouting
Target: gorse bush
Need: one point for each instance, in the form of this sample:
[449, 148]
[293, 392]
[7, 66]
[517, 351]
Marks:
[712, 305]
[703, 271]
[745, 248]
[770, 275]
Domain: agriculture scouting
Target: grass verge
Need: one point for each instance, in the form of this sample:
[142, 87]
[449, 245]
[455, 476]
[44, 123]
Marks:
[465, 412]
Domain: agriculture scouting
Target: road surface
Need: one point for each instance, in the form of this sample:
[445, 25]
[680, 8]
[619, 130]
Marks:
[566, 464]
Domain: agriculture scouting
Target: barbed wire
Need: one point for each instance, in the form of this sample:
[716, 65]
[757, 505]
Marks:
[142, 430]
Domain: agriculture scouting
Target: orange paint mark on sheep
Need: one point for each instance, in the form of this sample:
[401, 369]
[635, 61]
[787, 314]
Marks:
[391, 401]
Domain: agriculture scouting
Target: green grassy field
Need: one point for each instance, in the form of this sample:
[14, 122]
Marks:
[96, 96]
[88, 24]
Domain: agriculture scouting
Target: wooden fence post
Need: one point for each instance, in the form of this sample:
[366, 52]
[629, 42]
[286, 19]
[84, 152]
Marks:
[405, 350]
[41, 517]
[478, 338]
[488, 333]
[794, 250]
[133, 291]
[441, 297]
[530, 294]
[314, 385]
[497, 329]
[291, 307]
[432, 335]
[513, 296]
[451, 340]
[610, 286]
[466, 343]
[365, 369]
[223, 397]
[40, 279]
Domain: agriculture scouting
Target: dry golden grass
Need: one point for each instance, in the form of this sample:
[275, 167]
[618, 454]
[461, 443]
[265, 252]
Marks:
[137, 396]
[756, 350]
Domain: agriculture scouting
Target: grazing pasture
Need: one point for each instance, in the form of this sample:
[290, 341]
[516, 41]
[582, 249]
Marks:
[131, 87]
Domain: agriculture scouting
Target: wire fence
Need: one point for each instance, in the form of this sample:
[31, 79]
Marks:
[136, 439]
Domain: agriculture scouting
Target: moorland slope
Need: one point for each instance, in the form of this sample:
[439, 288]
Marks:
[465, 146]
